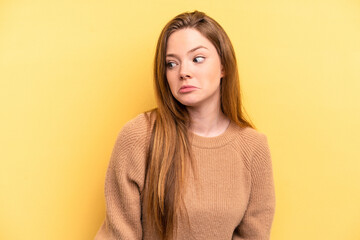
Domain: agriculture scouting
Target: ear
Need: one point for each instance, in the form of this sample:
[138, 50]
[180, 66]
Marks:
[222, 71]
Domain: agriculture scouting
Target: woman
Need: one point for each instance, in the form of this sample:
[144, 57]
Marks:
[194, 167]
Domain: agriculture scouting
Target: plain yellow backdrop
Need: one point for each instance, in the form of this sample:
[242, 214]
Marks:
[73, 72]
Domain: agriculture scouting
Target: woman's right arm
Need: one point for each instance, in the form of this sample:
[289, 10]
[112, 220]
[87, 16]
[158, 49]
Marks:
[123, 185]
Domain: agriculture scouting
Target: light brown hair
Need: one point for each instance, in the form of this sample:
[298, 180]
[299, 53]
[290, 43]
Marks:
[170, 148]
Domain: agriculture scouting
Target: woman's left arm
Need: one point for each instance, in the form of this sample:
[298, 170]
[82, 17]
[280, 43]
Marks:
[258, 218]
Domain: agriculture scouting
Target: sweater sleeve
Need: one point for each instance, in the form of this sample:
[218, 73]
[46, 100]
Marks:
[257, 221]
[123, 186]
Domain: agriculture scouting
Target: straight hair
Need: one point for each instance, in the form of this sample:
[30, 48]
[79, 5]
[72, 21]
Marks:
[169, 154]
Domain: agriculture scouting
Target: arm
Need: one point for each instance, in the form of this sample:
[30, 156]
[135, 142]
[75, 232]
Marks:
[257, 221]
[123, 185]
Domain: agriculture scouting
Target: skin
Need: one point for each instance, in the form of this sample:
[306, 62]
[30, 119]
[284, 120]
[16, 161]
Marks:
[194, 73]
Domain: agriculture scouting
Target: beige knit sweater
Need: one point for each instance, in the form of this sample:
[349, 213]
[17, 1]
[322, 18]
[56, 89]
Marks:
[233, 198]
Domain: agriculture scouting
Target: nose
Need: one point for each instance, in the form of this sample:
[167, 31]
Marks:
[184, 72]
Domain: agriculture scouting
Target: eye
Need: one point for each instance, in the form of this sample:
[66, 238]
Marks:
[199, 59]
[170, 64]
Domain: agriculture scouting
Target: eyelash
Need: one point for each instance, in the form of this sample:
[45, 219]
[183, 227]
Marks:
[200, 57]
[169, 64]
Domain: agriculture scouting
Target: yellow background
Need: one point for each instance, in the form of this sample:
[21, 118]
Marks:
[73, 72]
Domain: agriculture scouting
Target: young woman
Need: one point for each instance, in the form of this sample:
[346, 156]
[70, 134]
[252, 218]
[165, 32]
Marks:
[194, 167]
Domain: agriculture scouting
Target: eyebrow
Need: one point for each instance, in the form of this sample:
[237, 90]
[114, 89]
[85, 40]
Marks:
[192, 50]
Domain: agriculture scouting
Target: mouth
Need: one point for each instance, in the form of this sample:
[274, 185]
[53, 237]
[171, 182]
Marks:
[187, 88]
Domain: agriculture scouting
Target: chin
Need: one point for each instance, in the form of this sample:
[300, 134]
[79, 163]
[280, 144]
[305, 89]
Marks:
[189, 103]
[191, 100]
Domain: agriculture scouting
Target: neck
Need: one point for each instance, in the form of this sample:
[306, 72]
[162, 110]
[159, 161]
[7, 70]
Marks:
[208, 121]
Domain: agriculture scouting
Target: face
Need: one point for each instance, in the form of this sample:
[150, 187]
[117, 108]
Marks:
[193, 68]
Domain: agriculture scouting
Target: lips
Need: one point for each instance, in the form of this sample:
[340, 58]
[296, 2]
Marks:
[187, 88]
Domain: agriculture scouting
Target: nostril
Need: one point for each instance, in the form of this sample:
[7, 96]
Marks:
[183, 76]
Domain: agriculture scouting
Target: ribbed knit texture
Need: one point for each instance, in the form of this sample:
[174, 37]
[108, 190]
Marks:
[233, 197]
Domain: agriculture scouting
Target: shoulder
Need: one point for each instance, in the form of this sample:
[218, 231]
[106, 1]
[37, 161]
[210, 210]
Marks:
[136, 129]
[252, 144]
[128, 157]
[131, 147]
[134, 136]
[248, 136]
[252, 137]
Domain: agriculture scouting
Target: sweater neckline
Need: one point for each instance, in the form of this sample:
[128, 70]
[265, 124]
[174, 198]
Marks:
[217, 141]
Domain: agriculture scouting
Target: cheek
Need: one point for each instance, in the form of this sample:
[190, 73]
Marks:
[170, 79]
[213, 73]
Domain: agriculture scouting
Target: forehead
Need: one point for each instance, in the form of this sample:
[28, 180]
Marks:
[186, 39]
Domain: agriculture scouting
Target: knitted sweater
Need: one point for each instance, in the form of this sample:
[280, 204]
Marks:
[233, 197]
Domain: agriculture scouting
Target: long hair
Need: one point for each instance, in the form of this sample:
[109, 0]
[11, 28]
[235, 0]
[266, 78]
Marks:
[170, 148]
